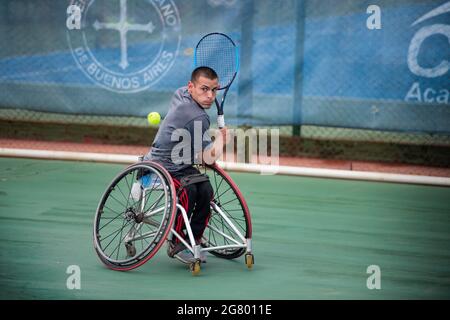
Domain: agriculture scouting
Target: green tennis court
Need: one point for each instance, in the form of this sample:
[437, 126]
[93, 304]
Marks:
[312, 239]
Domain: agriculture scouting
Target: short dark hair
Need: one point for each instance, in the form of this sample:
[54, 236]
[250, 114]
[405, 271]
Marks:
[206, 72]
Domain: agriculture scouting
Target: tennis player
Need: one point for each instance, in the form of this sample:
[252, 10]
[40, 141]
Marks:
[176, 149]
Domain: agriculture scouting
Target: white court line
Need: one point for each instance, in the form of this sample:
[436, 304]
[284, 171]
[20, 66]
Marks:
[244, 167]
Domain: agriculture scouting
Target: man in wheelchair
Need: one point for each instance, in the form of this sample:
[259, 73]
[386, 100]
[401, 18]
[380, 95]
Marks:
[182, 141]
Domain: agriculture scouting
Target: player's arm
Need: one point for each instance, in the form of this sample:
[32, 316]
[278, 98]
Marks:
[215, 149]
[210, 149]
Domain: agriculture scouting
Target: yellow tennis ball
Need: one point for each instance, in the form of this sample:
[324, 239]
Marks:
[154, 118]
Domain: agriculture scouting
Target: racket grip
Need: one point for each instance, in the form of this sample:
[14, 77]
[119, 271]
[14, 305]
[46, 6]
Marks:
[220, 121]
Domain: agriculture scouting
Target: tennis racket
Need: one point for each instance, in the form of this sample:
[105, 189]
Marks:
[218, 52]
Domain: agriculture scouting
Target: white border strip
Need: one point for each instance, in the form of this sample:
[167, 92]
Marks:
[68, 155]
[245, 167]
[337, 174]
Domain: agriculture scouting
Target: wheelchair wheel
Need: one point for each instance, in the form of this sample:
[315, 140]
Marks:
[134, 216]
[229, 199]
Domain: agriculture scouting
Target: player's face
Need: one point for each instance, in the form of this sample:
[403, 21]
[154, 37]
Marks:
[204, 91]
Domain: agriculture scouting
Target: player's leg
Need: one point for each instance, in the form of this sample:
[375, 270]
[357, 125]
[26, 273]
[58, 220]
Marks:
[195, 198]
[202, 209]
[177, 249]
[186, 196]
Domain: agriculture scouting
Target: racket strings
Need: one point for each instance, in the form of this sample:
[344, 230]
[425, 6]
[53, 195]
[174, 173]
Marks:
[218, 53]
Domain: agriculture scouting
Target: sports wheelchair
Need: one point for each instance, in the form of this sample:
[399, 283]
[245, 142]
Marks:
[136, 214]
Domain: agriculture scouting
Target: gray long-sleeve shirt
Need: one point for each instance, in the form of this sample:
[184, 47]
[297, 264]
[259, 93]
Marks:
[183, 134]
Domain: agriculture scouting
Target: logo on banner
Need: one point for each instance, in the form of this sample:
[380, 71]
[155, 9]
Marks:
[226, 3]
[124, 46]
[417, 45]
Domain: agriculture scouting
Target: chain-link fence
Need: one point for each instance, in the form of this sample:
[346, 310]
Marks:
[322, 70]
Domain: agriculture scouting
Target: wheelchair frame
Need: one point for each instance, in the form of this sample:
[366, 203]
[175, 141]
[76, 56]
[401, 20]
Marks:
[225, 236]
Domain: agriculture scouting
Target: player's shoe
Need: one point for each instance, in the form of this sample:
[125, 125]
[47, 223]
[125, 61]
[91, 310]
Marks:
[173, 249]
[180, 252]
[185, 256]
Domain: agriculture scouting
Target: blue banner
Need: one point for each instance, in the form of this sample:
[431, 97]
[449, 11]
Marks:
[383, 65]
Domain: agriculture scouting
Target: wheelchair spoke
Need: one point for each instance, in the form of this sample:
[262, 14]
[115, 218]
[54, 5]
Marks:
[103, 238]
[224, 225]
[121, 240]
[119, 202]
[223, 239]
[229, 188]
[217, 228]
[125, 197]
[232, 217]
[116, 234]
[154, 204]
[217, 186]
[211, 233]
[112, 210]
[128, 183]
[110, 220]
[225, 203]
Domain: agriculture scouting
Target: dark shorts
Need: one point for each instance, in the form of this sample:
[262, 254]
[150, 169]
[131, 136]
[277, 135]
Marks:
[195, 198]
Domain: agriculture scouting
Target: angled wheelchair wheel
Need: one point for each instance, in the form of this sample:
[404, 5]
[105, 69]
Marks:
[134, 216]
[228, 199]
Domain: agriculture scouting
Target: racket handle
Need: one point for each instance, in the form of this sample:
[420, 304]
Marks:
[220, 121]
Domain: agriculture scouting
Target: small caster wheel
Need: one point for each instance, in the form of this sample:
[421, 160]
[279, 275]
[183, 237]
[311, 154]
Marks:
[195, 267]
[249, 260]
[131, 250]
